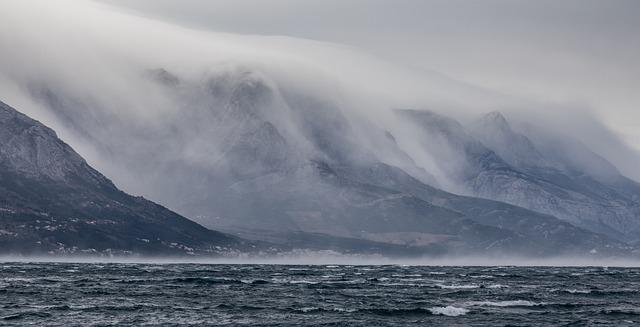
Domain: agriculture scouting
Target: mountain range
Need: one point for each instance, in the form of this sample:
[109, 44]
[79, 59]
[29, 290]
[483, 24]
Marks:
[283, 169]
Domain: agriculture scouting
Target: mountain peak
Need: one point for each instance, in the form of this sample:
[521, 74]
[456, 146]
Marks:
[496, 116]
[496, 119]
[29, 147]
[493, 130]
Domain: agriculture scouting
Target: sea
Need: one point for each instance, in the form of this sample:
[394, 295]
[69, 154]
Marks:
[145, 294]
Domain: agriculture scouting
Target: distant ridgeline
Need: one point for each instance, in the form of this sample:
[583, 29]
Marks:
[231, 162]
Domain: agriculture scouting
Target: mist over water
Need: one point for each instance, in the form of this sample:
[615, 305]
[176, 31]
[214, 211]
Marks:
[162, 109]
[321, 258]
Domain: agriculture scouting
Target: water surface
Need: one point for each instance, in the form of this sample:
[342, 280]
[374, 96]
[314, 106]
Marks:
[68, 294]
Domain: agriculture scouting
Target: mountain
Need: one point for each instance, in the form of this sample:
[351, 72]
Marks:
[52, 201]
[246, 155]
[494, 131]
[551, 175]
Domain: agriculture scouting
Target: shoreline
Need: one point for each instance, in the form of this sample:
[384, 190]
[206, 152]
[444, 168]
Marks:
[338, 260]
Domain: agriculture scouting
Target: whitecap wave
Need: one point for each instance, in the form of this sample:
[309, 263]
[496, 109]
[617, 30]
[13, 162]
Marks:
[449, 310]
[308, 309]
[303, 282]
[577, 291]
[453, 286]
[514, 303]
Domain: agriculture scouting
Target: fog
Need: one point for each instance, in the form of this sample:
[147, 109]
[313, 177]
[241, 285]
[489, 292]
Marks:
[94, 55]
[323, 258]
[572, 53]
[91, 59]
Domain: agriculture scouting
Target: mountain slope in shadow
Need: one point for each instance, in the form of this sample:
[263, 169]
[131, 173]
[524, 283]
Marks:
[52, 201]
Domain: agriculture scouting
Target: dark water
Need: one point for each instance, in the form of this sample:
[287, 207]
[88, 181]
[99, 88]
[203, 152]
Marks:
[55, 294]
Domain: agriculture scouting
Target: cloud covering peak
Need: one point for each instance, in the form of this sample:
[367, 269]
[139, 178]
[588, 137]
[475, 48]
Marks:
[96, 54]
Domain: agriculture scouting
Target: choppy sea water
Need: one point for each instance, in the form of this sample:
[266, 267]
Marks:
[56, 294]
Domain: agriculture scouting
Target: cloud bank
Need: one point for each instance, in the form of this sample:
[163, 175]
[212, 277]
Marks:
[95, 57]
[573, 51]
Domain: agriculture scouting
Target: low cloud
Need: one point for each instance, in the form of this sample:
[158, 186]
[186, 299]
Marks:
[93, 60]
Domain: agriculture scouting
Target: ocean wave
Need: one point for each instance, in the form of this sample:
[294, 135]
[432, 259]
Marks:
[340, 275]
[205, 280]
[308, 309]
[255, 281]
[400, 284]
[449, 310]
[444, 311]
[18, 279]
[398, 311]
[614, 291]
[338, 283]
[318, 309]
[309, 282]
[620, 312]
[378, 279]
[497, 286]
[24, 315]
[459, 286]
[513, 303]
[577, 291]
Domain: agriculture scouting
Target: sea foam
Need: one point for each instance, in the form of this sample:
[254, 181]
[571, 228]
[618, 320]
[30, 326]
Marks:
[449, 310]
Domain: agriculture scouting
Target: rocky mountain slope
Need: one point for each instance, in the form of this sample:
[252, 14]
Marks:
[52, 201]
[554, 175]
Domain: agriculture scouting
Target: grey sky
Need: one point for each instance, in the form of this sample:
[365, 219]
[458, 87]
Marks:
[577, 52]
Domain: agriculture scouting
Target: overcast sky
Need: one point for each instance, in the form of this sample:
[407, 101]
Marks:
[578, 52]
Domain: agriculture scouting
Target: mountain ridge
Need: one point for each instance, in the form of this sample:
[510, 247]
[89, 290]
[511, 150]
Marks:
[52, 201]
[530, 179]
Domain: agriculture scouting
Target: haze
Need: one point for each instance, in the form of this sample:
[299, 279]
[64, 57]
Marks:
[580, 79]
[582, 54]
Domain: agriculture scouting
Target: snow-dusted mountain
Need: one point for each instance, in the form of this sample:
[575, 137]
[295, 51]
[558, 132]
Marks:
[547, 173]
